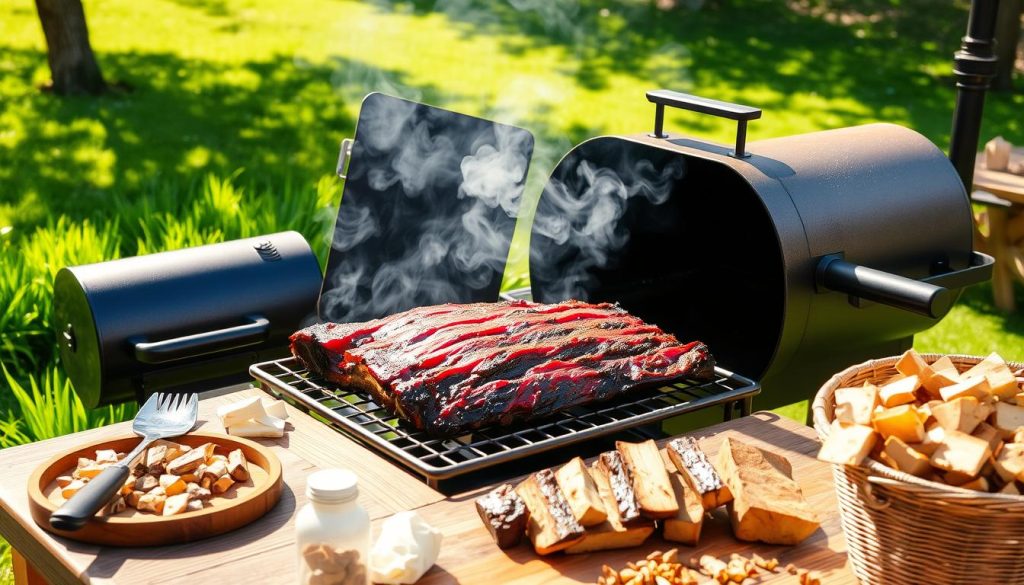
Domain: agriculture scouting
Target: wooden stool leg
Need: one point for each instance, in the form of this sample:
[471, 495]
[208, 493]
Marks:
[1002, 278]
[24, 572]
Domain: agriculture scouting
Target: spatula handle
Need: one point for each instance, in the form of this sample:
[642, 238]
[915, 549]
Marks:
[87, 501]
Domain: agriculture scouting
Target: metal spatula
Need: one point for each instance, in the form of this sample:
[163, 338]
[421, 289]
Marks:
[162, 416]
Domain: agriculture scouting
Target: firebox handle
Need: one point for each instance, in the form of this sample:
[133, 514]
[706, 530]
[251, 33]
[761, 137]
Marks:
[684, 101]
[834, 273]
[179, 348]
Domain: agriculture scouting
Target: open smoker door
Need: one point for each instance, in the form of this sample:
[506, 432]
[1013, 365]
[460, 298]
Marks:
[427, 213]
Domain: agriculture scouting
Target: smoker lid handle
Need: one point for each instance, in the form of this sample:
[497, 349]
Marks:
[189, 346]
[684, 101]
[836, 274]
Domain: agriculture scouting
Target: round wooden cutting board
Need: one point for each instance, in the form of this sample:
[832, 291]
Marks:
[240, 505]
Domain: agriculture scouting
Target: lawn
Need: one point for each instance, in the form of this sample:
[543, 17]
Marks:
[228, 113]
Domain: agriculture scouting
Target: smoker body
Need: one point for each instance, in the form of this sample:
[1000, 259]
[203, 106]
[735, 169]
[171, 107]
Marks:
[796, 258]
[193, 319]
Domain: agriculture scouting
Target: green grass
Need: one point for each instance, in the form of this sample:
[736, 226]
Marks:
[235, 110]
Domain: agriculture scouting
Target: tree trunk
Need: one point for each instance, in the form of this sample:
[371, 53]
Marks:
[1007, 37]
[72, 64]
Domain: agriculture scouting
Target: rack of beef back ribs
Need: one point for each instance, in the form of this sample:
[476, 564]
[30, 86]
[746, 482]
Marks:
[437, 459]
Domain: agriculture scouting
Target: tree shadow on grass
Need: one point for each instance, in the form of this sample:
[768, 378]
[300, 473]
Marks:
[876, 58]
[979, 298]
[280, 119]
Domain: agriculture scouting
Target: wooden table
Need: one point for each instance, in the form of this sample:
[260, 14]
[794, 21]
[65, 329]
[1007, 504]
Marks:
[262, 552]
[1002, 194]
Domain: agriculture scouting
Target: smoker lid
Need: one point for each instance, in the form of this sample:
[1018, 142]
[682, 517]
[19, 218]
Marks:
[428, 210]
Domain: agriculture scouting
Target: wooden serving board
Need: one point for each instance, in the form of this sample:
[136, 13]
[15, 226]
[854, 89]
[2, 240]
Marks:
[240, 505]
[469, 555]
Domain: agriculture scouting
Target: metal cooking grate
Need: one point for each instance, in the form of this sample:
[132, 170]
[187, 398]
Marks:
[438, 458]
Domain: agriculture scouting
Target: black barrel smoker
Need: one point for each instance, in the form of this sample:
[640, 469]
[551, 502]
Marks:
[792, 258]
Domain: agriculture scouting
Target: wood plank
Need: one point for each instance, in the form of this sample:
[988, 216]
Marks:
[475, 558]
[307, 446]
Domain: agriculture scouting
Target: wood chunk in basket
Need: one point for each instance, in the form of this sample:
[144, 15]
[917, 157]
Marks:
[613, 533]
[768, 505]
[649, 478]
[944, 373]
[976, 387]
[905, 458]
[611, 466]
[551, 526]
[993, 361]
[902, 421]
[912, 364]
[504, 514]
[931, 441]
[1008, 418]
[989, 433]
[580, 491]
[692, 462]
[1002, 383]
[962, 414]
[854, 406]
[962, 453]
[1009, 463]
[848, 445]
[899, 392]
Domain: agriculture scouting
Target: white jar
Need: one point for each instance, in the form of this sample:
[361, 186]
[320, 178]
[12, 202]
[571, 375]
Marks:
[332, 531]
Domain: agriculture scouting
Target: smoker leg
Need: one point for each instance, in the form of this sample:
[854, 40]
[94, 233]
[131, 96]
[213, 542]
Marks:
[433, 483]
[747, 406]
[727, 411]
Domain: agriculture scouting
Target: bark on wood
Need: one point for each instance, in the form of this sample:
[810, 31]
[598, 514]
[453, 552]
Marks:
[73, 66]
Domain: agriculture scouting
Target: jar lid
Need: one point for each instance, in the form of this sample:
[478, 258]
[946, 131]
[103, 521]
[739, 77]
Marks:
[332, 486]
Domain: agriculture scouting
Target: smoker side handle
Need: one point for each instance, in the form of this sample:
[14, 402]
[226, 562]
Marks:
[915, 296]
[694, 103]
[187, 346]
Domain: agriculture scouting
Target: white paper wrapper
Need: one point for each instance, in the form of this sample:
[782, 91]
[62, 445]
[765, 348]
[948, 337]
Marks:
[406, 549]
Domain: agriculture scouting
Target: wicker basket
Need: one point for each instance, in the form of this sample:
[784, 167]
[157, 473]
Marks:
[903, 530]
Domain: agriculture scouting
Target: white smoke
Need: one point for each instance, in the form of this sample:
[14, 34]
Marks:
[582, 213]
[411, 153]
[491, 175]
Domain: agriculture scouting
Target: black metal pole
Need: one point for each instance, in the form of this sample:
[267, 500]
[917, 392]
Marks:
[974, 68]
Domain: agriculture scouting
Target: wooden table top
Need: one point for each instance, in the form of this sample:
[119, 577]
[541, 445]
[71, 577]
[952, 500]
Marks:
[265, 545]
[1001, 183]
[262, 552]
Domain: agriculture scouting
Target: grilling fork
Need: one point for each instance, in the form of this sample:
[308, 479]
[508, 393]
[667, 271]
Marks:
[162, 416]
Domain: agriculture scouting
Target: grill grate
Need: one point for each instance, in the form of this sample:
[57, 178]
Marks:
[438, 458]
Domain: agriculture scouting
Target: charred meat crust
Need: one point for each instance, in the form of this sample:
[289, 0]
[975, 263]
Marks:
[449, 369]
